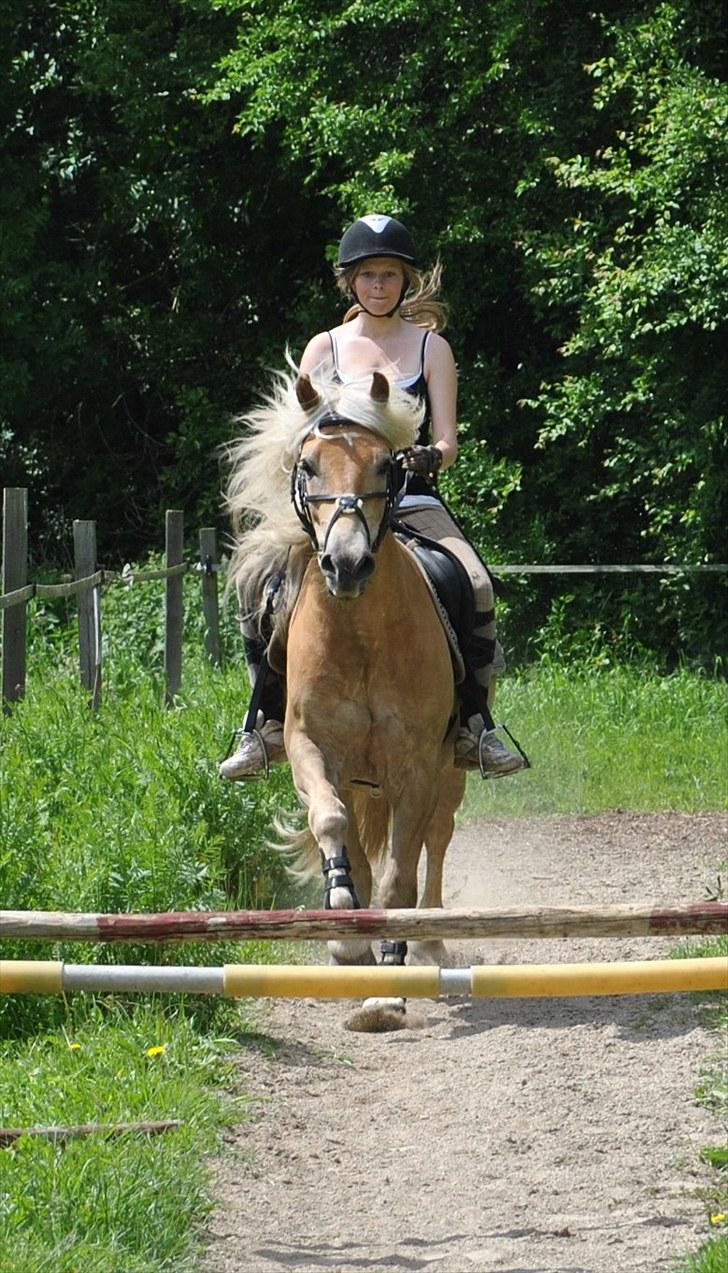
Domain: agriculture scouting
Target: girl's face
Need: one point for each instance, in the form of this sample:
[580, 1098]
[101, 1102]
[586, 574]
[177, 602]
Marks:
[378, 283]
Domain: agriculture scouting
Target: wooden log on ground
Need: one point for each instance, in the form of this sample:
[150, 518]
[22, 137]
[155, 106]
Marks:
[9, 1135]
[636, 920]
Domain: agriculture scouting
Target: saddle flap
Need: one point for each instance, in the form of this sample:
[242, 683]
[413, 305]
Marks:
[450, 588]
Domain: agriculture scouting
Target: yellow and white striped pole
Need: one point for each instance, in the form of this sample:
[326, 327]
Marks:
[501, 981]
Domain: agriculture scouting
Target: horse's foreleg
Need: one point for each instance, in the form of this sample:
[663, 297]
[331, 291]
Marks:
[437, 838]
[398, 889]
[439, 834]
[347, 876]
[356, 951]
[410, 824]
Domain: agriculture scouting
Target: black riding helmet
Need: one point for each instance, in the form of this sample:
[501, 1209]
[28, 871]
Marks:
[375, 235]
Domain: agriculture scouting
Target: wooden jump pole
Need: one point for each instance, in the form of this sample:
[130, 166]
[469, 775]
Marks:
[500, 981]
[637, 920]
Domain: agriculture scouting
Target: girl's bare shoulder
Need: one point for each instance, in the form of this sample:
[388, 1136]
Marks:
[317, 351]
[438, 352]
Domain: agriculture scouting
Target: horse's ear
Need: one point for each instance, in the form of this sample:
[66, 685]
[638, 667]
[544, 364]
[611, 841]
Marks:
[380, 387]
[306, 394]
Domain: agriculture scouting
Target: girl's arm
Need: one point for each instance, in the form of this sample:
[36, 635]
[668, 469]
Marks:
[442, 386]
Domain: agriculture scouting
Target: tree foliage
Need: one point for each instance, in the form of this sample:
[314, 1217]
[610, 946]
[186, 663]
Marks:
[634, 285]
[176, 179]
[135, 314]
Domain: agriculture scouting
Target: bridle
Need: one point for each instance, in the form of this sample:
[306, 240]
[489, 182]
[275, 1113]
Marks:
[348, 504]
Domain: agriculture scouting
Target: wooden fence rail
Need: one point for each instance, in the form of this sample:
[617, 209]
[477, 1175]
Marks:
[86, 587]
[88, 582]
[642, 919]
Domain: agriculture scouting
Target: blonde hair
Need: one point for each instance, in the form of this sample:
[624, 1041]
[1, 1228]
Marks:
[421, 304]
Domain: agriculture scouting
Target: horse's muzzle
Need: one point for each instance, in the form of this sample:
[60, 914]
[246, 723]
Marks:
[347, 577]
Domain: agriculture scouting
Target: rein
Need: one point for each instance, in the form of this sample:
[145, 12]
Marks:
[346, 504]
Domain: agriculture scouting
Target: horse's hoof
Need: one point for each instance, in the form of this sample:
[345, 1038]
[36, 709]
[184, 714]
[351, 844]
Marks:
[378, 1016]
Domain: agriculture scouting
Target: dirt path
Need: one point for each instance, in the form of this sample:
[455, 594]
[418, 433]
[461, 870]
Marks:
[525, 1136]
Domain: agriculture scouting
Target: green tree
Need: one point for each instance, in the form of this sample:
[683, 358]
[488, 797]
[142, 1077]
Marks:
[175, 180]
[134, 221]
[439, 114]
[632, 281]
[568, 166]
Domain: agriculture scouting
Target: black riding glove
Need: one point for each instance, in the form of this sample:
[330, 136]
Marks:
[424, 460]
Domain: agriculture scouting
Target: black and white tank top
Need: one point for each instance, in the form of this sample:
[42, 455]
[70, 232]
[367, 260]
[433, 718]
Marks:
[416, 386]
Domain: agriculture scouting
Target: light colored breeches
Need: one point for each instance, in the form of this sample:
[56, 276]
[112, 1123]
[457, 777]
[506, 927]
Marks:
[436, 523]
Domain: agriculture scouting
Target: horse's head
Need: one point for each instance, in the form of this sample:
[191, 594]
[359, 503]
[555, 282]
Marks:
[343, 491]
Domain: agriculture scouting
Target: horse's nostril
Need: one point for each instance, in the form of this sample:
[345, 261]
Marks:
[365, 567]
[345, 574]
[355, 570]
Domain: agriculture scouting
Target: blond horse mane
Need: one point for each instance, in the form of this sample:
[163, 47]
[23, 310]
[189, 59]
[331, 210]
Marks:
[268, 535]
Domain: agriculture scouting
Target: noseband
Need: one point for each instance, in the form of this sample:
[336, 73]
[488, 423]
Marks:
[347, 504]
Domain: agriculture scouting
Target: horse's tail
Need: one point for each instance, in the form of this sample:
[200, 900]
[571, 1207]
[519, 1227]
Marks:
[373, 820]
[298, 846]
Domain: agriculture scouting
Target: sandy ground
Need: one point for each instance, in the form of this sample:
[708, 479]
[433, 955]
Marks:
[524, 1136]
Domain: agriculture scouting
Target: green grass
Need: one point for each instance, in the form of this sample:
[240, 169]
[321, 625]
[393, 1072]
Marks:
[712, 1092]
[622, 739]
[109, 1203]
[711, 1258]
[122, 810]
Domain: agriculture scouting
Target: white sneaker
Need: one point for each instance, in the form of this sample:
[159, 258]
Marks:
[256, 750]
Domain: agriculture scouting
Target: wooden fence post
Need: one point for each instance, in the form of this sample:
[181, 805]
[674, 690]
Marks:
[210, 609]
[89, 610]
[15, 575]
[174, 539]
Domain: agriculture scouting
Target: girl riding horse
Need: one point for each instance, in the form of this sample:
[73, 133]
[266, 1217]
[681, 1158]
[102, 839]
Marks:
[393, 327]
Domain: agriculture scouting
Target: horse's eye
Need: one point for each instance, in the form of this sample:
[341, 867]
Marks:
[384, 466]
[307, 468]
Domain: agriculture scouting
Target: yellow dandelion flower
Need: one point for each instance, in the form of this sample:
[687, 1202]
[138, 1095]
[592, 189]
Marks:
[74, 1047]
[158, 1050]
[718, 1217]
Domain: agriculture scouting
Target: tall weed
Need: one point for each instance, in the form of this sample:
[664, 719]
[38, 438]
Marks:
[122, 809]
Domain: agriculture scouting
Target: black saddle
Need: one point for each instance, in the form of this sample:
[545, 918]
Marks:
[449, 579]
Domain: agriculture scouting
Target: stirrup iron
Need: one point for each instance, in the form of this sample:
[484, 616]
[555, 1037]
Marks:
[256, 734]
[488, 733]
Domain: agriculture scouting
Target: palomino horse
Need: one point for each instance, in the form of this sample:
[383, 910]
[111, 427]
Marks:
[371, 706]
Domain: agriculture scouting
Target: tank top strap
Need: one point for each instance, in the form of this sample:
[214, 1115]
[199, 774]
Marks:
[334, 353]
[423, 351]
